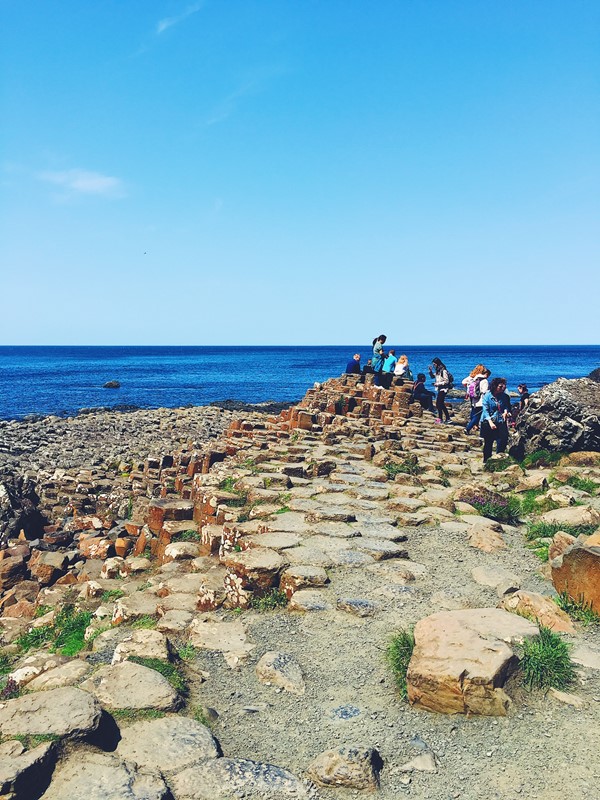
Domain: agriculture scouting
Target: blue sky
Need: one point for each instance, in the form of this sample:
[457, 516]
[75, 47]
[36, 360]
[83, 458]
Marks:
[299, 172]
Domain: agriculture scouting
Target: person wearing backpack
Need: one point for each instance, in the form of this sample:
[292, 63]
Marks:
[476, 386]
[443, 382]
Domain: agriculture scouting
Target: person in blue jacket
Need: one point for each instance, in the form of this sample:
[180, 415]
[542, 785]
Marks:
[494, 418]
[353, 366]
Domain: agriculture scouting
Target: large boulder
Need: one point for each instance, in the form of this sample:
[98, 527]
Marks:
[170, 744]
[67, 712]
[565, 415]
[462, 660]
[577, 572]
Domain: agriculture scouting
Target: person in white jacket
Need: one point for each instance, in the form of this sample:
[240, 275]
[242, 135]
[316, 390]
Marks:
[476, 384]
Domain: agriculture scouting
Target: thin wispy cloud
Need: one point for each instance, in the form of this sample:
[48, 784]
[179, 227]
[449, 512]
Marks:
[84, 182]
[169, 22]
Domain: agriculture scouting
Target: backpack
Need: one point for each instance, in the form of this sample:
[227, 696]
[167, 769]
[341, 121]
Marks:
[450, 380]
[474, 390]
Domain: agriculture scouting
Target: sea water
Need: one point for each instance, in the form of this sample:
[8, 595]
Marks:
[61, 380]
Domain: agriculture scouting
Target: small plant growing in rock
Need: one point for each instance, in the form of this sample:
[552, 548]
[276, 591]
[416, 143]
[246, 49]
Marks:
[66, 633]
[499, 464]
[583, 484]
[5, 663]
[274, 598]
[408, 466]
[187, 652]
[546, 661]
[31, 740]
[143, 622]
[579, 610]
[111, 594]
[10, 690]
[227, 484]
[541, 458]
[503, 509]
[129, 512]
[399, 653]
[444, 476]
[187, 536]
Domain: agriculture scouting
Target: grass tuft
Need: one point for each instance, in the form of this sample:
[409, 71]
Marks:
[187, 536]
[274, 598]
[143, 622]
[583, 484]
[111, 594]
[579, 610]
[187, 652]
[408, 466]
[503, 509]
[546, 661]
[399, 653]
[541, 458]
[31, 740]
[499, 464]
[65, 634]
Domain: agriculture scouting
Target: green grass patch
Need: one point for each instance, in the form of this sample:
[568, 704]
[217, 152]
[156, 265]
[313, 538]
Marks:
[65, 634]
[399, 653]
[187, 536]
[583, 484]
[579, 610]
[530, 504]
[187, 652]
[111, 594]
[444, 476]
[503, 509]
[283, 510]
[274, 598]
[6, 662]
[31, 740]
[408, 466]
[546, 661]
[41, 611]
[143, 622]
[228, 484]
[499, 464]
[167, 670]
[136, 714]
[199, 715]
[541, 458]
[546, 530]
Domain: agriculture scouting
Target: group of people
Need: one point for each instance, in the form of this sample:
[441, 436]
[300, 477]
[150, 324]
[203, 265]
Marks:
[491, 408]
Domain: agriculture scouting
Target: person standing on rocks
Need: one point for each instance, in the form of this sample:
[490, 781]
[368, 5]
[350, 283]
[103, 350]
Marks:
[476, 386]
[441, 376]
[378, 358]
[494, 418]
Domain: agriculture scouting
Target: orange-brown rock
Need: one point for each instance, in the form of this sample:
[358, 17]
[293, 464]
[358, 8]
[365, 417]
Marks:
[561, 541]
[47, 567]
[577, 572]
[12, 570]
[161, 510]
[95, 547]
[23, 608]
[539, 608]
[462, 660]
[123, 546]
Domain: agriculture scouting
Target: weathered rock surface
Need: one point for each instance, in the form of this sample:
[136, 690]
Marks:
[542, 610]
[66, 712]
[100, 776]
[228, 778]
[129, 685]
[565, 415]
[25, 773]
[351, 767]
[577, 572]
[281, 669]
[462, 659]
[170, 744]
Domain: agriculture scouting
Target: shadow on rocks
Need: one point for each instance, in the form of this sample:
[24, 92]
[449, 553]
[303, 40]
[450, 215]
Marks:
[107, 735]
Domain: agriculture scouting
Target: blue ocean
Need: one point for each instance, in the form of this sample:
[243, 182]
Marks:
[62, 380]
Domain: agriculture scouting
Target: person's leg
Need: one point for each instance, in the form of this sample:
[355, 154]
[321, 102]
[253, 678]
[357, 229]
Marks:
[501, 438]
[488, 436]
[475, 417]
[444, 407]
[439, 404]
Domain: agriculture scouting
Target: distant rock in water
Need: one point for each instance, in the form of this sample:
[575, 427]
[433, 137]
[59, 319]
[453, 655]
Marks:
[595, 375]
[112, 385]
[564, 415]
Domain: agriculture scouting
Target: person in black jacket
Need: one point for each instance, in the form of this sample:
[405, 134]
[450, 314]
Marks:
[353, 366]
[422, 395]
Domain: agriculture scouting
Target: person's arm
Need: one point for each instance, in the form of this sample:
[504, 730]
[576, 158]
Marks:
[487, 410]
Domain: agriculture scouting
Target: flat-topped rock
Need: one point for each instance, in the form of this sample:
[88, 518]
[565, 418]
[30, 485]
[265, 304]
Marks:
[101, 776]
[228, 778]
[170, 744]
[133, 686]
[462, 660]
[65, 712]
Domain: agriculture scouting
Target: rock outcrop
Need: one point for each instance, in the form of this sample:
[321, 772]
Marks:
[565, 415]
[577, 572]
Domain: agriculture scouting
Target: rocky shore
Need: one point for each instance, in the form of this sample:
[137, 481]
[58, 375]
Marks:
[197, 604]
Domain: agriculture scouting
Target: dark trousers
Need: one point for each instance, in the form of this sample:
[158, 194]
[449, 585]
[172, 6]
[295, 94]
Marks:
[475, 417]
[491, 435]
[426, 402]
[440, 404]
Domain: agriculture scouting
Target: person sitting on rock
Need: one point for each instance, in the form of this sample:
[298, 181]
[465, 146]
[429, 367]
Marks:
[422, 395]
[402, 370]
[388, 369]
[494, 418]
[353, 366]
